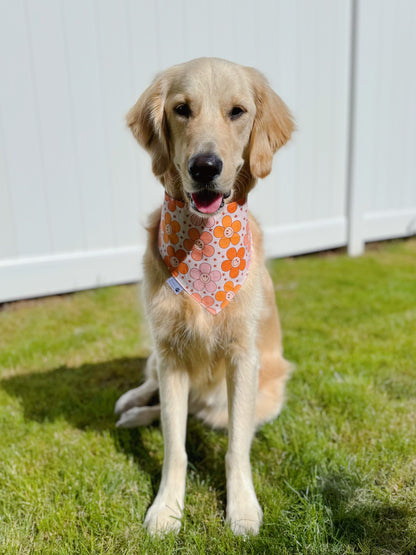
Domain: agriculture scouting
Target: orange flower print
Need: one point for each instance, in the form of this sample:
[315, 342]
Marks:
[226, 296]
[232, 207]
[206, 301]
[172, 203]
[235, 262]
[228, 232]
[174, 261]
[198, 243]
[170, 228]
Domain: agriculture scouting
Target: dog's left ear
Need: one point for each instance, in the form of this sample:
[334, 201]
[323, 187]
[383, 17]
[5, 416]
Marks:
[272, 128]
[147, 122]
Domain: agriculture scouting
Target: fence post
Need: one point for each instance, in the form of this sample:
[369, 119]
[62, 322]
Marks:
[354, 195]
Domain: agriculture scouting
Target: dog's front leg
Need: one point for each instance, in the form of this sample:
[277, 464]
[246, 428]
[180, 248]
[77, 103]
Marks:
[243, 510]
[166, 512]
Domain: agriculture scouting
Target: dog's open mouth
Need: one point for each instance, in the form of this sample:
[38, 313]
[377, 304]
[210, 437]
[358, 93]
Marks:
[207, 202]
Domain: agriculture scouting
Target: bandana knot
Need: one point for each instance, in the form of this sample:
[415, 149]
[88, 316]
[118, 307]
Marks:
[208, 256]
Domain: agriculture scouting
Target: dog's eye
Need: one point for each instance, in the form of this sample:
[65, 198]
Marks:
[182, 110]
[237, 112]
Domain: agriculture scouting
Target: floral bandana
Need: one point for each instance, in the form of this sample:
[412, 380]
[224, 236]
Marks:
[208, 257]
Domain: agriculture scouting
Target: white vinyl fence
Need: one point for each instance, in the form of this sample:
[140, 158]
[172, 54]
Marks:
[75, 188]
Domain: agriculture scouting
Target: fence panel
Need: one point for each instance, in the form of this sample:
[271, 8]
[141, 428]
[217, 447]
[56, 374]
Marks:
[383, 177]
[75, 189]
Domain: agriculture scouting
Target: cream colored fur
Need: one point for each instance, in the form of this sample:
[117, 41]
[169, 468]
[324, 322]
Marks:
[226, 369]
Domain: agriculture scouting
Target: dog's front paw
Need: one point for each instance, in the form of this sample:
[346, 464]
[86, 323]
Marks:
[162, 518]
[244, 515]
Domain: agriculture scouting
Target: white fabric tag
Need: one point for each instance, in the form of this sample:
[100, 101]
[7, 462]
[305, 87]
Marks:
[174, 285]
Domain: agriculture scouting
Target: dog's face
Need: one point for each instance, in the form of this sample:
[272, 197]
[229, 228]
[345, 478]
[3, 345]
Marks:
[211, 128]
[210, 114]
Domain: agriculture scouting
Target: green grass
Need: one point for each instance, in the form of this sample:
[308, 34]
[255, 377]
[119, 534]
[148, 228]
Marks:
[335, 473]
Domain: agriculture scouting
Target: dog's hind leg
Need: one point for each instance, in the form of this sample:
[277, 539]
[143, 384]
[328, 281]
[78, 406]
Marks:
[138, 416]
[131, 405]
[274, 369]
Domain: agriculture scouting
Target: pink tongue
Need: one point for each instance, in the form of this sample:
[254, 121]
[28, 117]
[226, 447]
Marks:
[207, 202]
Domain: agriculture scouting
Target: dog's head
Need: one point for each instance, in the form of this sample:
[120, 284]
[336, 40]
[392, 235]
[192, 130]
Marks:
[211, 128]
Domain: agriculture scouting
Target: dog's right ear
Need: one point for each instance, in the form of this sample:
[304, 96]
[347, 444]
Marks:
[147, 122]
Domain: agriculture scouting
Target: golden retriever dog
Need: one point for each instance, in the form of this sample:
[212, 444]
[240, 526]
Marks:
[211, 128]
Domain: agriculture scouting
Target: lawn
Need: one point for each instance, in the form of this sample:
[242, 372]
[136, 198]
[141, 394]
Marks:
[335, 473]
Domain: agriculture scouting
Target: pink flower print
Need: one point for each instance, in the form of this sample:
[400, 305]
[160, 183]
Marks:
[247, 236]
[199, 244]
[199, 220]
[206, 301]
[205, 277]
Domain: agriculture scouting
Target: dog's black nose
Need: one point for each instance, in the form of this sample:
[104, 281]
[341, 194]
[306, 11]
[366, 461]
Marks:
[204, 168]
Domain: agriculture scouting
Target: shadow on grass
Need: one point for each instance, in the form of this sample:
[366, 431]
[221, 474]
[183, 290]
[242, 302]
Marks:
[341, 514]
[85, 397]
[363, 522]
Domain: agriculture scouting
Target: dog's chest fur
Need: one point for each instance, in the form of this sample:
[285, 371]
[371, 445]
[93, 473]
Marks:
[186, 331]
